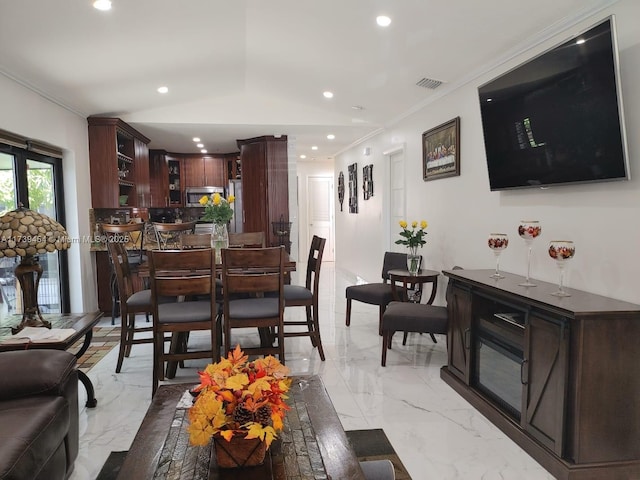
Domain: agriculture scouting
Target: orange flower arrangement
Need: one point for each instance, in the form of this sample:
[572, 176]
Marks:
[237, 397]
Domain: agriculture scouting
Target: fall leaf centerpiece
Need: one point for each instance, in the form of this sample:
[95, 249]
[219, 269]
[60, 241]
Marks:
[240, 403]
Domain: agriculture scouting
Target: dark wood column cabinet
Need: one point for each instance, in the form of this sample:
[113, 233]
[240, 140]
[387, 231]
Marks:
[119, 162]
[558, 375]
[167, 185]
[265, 185]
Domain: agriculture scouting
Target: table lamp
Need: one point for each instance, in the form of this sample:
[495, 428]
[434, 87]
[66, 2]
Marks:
[26, 234]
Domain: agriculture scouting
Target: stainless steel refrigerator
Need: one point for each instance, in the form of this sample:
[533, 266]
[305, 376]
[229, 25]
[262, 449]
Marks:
[235, 189]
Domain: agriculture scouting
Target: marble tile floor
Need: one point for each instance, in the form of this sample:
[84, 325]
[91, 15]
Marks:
[436, 433]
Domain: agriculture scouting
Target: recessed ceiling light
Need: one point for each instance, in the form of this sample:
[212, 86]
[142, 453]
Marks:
[383, 20]
[196, 139]
[203, 151]
[580, 41]
[103, 5]
[331, 136]
[200, 145]
[303, 156]
[315, 147]
[489, 99]
[163, 89]
[327, 94]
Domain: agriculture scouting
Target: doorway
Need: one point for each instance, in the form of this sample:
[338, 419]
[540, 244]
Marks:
[320, 213]
[397, 203]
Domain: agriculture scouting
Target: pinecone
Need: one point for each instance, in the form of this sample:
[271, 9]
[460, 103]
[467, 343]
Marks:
[242, 415]
[263, 415]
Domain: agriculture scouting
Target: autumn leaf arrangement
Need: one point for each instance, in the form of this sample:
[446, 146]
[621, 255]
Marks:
[240, 398]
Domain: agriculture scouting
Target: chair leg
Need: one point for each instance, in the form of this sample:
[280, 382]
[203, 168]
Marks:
[124, 343]
[131, 325]
[310, 326]
[348, 316]
[382, 309]
[433, 338]
[404, 337]
[157, 372]
[385, 341]
[315, 337]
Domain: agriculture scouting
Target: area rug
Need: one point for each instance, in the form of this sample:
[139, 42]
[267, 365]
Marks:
[368, 445]
[103, 340]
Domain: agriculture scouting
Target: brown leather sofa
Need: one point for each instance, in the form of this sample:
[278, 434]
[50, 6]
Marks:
[38, 414]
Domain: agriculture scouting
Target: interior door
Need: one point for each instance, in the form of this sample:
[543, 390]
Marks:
[320, 213]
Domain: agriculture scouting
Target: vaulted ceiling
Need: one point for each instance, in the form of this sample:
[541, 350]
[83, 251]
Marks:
[244, 68]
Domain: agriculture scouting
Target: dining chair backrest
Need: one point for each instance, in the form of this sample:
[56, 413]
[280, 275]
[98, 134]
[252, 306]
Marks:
[195, 240]
[168, 234]
[131, 234]
[252, 270]
[182, 272]
[247, 240]
[314, 262]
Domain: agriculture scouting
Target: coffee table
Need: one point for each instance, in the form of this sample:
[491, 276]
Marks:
[312, 445]
[82, 323]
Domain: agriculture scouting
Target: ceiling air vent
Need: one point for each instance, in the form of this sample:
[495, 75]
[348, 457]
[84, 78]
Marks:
[429, 83]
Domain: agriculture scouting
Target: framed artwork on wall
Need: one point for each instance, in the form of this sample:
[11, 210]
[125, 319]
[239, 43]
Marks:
[353, 188]
[441, 151]
[341, 189]
[367, 181]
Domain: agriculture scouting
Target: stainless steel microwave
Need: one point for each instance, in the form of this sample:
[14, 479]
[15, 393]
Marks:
[194, 194]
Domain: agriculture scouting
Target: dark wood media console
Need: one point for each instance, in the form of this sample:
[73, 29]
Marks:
[567, 381]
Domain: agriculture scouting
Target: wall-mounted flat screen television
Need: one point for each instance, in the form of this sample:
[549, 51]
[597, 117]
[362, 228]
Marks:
[557, 119]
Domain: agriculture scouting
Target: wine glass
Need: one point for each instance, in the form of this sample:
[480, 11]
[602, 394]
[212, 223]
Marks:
[561, 251]
[498, 242]
[528, 230]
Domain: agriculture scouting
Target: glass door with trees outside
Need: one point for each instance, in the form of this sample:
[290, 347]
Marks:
[34, 181]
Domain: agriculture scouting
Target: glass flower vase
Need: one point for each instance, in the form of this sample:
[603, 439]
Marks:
[219, 239]
[413, 260]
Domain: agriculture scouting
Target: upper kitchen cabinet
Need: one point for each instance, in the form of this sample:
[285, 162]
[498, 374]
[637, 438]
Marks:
[119, 162]
[265, 183]
[166, 179]
[204, 170]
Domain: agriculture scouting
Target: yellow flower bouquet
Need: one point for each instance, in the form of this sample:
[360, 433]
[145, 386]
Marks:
[217, 209]
[413, 238]
[240, 398]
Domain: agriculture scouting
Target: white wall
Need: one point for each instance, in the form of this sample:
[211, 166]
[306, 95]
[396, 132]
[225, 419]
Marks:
[26, 113]
[602, 219]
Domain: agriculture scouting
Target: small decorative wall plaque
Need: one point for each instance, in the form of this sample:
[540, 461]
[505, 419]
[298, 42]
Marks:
[353, 188]
[367, 181]
[341, 189]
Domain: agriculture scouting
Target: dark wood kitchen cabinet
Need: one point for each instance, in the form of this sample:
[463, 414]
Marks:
[204, 170]
[265, 185]
[167, 185]
[119, 163]
[576, 371]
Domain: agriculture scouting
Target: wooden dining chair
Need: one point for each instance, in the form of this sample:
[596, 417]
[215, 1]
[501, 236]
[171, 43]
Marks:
[131, 302]
[195, 240]
[168, 234]
[247, 240]
[254, 272]
[307, 296]
[132, 235]
[178, 273]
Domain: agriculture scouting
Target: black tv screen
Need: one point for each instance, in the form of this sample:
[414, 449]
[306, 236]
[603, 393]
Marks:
[557, 118]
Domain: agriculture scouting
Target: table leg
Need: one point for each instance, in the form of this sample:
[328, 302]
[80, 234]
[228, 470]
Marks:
[86, 381]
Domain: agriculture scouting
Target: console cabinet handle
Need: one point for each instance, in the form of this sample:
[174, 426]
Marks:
[467, 338]
[523, 370]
